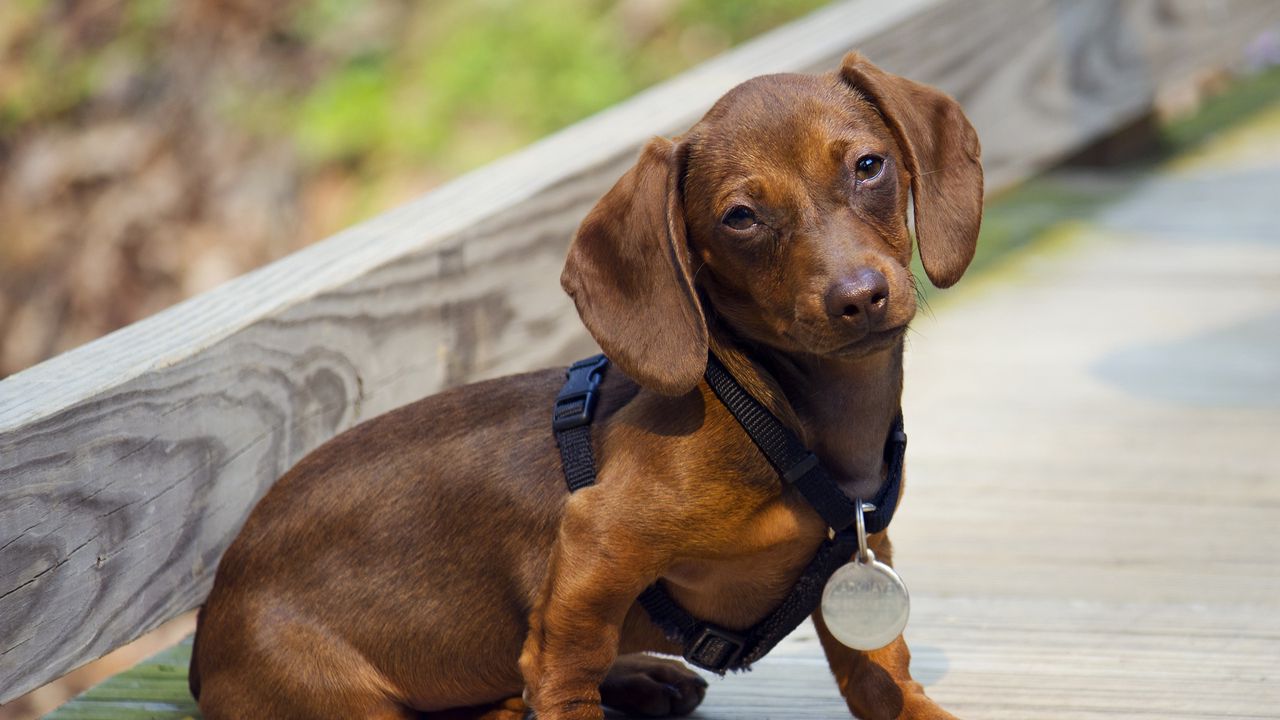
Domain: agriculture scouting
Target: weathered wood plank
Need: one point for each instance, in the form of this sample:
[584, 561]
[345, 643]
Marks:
[127, 465]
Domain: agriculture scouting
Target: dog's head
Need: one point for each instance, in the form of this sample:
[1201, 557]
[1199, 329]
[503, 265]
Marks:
[783, 215]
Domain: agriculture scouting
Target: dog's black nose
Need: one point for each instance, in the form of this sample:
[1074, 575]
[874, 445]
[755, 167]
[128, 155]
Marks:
[864, 296]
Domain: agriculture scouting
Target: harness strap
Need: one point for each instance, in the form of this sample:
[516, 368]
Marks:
[571, 420]
[800, 467]
[708, 645]
[717, 649]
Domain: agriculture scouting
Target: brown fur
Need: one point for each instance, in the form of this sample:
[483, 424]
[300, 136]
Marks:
[430, 561]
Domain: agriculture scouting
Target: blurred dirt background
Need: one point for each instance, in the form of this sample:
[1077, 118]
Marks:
[150, 150]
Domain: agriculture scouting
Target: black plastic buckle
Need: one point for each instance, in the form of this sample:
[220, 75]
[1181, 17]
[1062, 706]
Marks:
[716, 649]
[576, 401]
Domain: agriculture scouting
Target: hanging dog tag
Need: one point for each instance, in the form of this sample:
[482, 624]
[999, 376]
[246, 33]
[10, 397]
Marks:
[865, 604]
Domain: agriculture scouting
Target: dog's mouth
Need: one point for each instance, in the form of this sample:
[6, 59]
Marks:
[825, 343]
[871, 342]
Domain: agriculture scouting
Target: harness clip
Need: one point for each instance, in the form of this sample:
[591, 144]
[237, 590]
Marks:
[576, 401]
[716, 649]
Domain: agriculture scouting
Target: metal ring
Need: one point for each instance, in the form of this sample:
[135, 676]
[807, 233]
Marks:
[864, 553]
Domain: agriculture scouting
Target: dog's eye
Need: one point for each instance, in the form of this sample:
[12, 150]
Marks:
[740, 217]
[869, 167]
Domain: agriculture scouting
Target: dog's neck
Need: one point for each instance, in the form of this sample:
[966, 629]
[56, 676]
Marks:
[842, 409]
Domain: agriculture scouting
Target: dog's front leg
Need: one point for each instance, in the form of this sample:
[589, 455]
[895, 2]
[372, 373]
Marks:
[877, 684]
[597, 569]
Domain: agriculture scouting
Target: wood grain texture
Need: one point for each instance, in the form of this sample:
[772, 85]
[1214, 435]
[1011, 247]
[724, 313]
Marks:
[127, 465]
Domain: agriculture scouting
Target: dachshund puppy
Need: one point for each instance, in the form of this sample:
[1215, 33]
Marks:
[432, 563]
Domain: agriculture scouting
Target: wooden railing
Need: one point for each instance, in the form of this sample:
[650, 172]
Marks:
[127, 465]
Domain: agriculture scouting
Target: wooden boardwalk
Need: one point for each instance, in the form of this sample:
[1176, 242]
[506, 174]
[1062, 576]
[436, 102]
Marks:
[1092, 524]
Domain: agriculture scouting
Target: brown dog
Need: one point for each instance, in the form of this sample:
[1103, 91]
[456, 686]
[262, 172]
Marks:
[431, 562]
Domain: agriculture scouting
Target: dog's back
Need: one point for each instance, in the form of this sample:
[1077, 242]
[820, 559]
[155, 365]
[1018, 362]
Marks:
[436, 518]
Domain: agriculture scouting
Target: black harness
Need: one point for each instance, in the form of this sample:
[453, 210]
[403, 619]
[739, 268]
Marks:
[707, 645]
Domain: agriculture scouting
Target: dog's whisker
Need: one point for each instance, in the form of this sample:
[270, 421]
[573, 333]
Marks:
[922, 300]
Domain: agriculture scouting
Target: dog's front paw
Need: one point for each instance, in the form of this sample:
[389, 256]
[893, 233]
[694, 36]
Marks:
[652, 687]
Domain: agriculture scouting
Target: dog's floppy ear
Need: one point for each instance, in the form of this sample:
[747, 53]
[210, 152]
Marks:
[943, 157]
[628, 273]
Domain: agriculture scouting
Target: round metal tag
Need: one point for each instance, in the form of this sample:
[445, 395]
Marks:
[865, 604]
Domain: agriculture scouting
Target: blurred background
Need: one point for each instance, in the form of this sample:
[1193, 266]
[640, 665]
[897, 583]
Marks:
[150, 150]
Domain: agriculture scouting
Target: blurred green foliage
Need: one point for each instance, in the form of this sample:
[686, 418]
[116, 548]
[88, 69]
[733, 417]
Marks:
[392, 96]
[463, 82]
[54, 69]
[452, 83]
